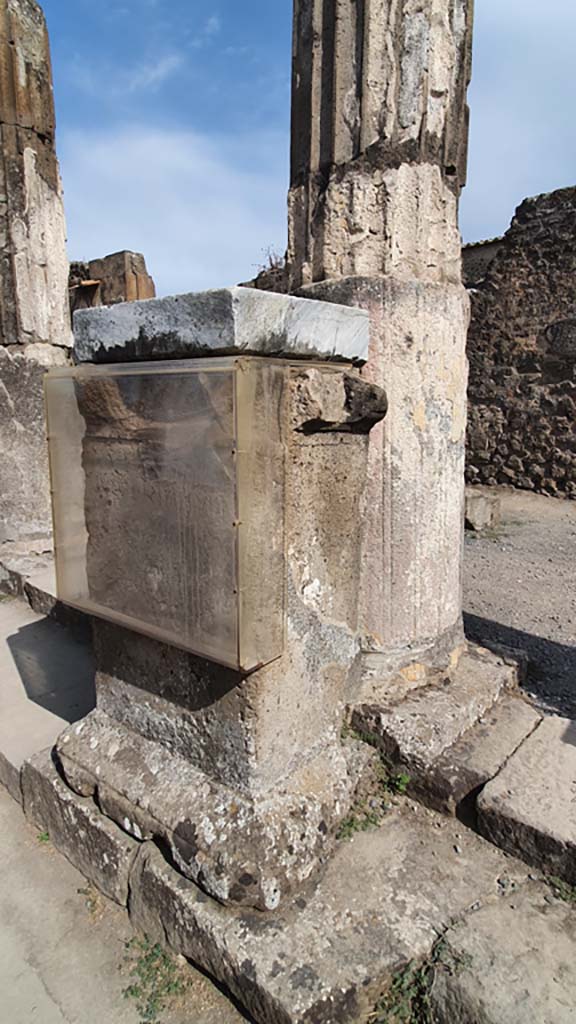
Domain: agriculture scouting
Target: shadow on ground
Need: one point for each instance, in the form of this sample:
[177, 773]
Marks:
[551, 677]
[57, 676]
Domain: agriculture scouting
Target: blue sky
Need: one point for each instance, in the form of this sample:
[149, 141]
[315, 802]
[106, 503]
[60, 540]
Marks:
[173, 120]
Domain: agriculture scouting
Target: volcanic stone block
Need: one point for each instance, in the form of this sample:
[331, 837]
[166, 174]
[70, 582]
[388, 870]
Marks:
[325, 958]
[244, 849]
[92, 843]
[529, 809]
[228, 320]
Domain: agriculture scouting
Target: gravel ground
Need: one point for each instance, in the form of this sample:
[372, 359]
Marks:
[520, 590]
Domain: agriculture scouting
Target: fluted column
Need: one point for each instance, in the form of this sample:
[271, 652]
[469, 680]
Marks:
[379, 151]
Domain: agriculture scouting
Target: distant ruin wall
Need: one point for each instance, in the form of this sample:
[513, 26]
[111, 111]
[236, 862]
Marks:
[120, 277]
[522, 352]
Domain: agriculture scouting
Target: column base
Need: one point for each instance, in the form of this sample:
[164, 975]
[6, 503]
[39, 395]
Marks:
[242, 848]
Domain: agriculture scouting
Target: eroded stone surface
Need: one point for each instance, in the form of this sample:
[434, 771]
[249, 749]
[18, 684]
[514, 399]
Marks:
[529, 809]
[379, 138]
[413, 506]
[93, 844]
[384, 899]
[217, 322]
[477, 757]
[379, 146]
[25, 495]
[514, 960]
[243, 849]
[416, 731]
[34, 318]
[482, 509]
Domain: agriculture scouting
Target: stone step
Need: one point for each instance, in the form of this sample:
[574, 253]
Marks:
[454, 781]
[513, 960]
[529, 809]
[415, 732]
[46, 681]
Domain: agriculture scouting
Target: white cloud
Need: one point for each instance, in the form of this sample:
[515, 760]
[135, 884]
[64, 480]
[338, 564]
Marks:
[146, 76]
[213, 25]
[151, 75]
[211, 28]
[203, 210]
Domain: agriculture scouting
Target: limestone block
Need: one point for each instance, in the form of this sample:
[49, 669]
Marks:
[324, 959]
[482, 509]
[25, 511]
[92, 843]
[233, 320]
[529, 809]
[514, 960]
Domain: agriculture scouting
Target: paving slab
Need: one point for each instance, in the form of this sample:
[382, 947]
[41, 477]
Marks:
[46, 682]
[323, 959]
[62, 946]
[511, 961]
[529, 809]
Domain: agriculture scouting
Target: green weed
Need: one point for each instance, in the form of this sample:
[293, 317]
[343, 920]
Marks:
[562, 890]
[407, 998]
[43, 837]
[156, 978]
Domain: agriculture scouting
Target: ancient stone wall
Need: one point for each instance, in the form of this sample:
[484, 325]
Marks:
[34, 319]
[120, 277]
[522, 351]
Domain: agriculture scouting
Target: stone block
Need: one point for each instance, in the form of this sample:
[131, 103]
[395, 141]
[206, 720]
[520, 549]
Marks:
[482, 510]
[510, 961]
[324, 959]
[25, 496]
[529, 809]
[10, 778]
[93, 844]
[415, 732]
[252, 850]
[226, 321]
[458, 774]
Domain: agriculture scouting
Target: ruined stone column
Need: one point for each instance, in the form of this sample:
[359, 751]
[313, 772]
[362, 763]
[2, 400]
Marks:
[34, 319]
[379, 147]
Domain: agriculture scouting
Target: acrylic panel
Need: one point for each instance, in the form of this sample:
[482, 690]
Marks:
[168, 500]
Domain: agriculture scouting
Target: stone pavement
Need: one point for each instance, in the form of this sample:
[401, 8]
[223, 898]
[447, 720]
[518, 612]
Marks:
[47, 680]
[61, 949]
